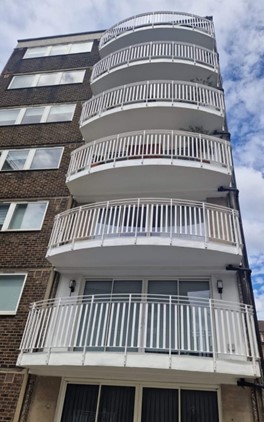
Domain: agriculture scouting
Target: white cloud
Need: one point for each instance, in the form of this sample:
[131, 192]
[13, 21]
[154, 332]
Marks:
[259, 302]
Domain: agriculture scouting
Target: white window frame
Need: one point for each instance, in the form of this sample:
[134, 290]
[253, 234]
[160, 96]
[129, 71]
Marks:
[47, 109]
[20, 295]
[29, 159]
[37, 77]
[10, 213]
[48, 51]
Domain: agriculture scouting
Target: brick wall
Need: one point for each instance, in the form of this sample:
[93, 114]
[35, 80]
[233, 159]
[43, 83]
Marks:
[10, 385]
[25, 251]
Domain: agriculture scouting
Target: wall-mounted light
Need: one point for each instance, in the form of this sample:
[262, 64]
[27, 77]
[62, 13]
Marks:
[220, 286]
[72, 285]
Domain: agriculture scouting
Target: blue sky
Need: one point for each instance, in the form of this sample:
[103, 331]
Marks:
[240, 37]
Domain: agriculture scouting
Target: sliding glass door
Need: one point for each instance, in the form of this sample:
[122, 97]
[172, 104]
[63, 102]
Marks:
[111, 403]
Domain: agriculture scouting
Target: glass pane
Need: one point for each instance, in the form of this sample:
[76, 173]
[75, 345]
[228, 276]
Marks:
[15, 160]
[194, 289]
[80, 403]
[46, 158]
[127, 286]
[48, 79]
[35, 52]
[159, 405]
[8, 117]
[72, 77]
[22, 81]
[10, 288]
[61, 113]
[82, 47]
[3, 211]
[59, 49]
[199, 406]
[163, 287]
[195, 317]
[100, 287]
[33, 115]
[116, 404]
[27, 216]
[161, 314]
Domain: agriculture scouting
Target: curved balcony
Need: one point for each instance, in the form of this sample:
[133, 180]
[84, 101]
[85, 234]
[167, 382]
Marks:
[159, 60]
[180, 333]
[129, 164]
[141, 231]
[153, 105]
[162, 26]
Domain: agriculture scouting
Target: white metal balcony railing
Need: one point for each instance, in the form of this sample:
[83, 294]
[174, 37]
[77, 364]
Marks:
[152, 51]
[142, 323]
[168, 218]
[156, 19]
[148, 92]
[172, 145]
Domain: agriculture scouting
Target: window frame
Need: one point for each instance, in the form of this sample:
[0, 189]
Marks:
[14, 312]
[48, 52]
[11, 211]
[29, 159]
[44, 117]
[37, 76]
[139, 386]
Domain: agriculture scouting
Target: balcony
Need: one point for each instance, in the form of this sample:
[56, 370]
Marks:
[182, 333]
[140, 231]
[158, 60]
[153, 105]
[130, 164]
[158, 26]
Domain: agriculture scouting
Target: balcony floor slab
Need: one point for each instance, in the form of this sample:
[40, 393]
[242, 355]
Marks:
[152, 115]
[115, 252]
[139, 366]
[153, 177]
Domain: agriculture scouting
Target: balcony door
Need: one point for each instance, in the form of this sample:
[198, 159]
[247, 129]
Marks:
[112, 315]
[108, 403]
[159, 316]
[178, 317]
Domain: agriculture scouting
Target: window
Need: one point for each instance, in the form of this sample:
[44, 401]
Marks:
[59, 49]
[9, 116]
[111, 403]
[60, 113]
[33, 115]
[99, 403]
[22, 216]
[11, 288]
[46, 79]
[30, 159]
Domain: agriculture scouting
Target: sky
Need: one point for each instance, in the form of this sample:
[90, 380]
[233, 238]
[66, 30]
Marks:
[239, 26]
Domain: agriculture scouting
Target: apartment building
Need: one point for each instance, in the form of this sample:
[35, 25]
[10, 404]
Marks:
[126, 292]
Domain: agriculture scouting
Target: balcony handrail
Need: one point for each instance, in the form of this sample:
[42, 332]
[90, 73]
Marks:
[142, 322]
[150, 92]
[147, 217]
[154, 19]
[139, 297]
[157, 50]
[152, 144]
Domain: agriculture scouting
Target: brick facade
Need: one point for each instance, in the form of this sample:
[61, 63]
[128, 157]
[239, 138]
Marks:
[23, 251]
